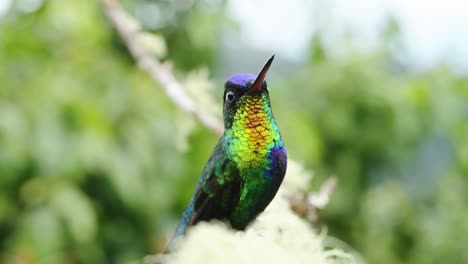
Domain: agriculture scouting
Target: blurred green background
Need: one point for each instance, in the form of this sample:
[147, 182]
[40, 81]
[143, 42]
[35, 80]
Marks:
[96, 164]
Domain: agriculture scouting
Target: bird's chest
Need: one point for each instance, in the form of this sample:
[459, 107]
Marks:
[250, 147]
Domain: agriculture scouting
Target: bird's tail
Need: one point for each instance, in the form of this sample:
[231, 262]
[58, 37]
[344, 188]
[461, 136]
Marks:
[181, 228]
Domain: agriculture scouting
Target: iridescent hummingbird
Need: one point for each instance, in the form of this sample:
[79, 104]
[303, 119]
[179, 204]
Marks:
[247, 165]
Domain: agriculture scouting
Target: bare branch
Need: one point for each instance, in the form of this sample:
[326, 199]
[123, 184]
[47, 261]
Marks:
[308, 205]
[161, 73]
[321, 198]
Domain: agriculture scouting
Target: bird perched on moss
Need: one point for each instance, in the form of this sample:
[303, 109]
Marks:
[248, 164]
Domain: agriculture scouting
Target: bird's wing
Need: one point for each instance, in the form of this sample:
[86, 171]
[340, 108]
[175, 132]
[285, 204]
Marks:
[219, 189]
[217, 193]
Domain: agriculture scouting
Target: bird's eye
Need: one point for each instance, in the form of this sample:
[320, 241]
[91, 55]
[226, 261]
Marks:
[230, 97]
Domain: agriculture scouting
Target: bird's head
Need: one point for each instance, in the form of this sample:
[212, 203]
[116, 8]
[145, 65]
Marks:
[246, 99]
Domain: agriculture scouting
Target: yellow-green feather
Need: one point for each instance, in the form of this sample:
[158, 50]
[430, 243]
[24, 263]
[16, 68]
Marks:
[253, 132]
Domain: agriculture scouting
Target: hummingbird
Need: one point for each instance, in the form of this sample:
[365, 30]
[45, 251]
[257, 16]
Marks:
[248, 164]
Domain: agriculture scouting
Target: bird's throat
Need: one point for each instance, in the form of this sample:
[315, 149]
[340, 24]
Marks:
[253, 133]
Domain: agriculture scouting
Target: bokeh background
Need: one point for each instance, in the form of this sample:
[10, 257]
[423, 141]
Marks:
[96, 164]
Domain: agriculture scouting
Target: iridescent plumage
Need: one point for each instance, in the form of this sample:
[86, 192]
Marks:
[248, 164]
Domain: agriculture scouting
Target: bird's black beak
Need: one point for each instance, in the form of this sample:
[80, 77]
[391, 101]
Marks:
[257, 84]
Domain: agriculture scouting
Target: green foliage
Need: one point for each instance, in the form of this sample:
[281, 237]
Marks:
[390, 138]
[91, 162]
[88, 161]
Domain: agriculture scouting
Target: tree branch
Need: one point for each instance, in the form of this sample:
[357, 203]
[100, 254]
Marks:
[308, 205]
[161, 73]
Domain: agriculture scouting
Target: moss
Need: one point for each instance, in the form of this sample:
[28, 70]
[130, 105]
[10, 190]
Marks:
[278, 235]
